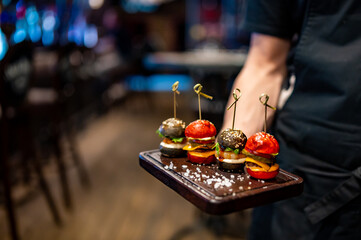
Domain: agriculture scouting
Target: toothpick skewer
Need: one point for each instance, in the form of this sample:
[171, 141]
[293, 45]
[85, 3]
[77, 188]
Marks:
[266, 97]
[175, 92]
[236, 98]
[197, 89]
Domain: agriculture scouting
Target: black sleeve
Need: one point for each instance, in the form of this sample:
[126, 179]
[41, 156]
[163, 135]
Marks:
[271, 17]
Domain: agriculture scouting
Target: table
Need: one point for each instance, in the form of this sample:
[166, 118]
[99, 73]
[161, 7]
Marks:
[205, 60]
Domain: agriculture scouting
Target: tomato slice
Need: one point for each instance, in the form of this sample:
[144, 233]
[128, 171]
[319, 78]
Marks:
[204, 141]
[262, 174]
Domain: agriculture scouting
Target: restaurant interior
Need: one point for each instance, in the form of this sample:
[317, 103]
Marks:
[84, 86]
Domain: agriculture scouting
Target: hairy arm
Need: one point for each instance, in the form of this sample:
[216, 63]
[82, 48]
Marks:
[263, 72]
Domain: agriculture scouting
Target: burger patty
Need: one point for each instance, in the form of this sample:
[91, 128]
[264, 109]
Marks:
[229, 155]
[169, 141]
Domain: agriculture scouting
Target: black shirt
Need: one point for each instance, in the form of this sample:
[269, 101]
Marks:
[319, 127]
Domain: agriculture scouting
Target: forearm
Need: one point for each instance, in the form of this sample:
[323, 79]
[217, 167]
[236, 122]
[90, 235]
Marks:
[264, 72]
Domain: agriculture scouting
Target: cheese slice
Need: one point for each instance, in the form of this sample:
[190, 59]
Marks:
[203, 154]
[262, 165]
[189, 147]
[274, 167]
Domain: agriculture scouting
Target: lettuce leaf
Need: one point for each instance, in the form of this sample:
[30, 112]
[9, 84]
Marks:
[217, 148]
[176, 140]
[228, 149]
[160, 135]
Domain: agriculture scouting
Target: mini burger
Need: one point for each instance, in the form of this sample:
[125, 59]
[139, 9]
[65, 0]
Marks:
[201, 137]
[261, 150]
[229, 146]
[172, 132]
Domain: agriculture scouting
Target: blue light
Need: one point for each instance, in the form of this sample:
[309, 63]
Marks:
[139, 6]
[3, 45]
[20, 24]
[90, 36]
[48, 38]
[32, 15]
[49, 23]
[19, 4]
[75, 35]
[158, 82]
[6, 2]
[34, 32]
[20, 32]
[18, 36]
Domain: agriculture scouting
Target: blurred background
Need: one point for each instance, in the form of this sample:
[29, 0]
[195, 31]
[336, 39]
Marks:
[84, 85]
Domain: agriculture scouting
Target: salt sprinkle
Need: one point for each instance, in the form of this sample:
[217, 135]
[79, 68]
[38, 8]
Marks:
[262, 181]
[166, 167]
[249, 187]
[241, 188]
[184, 166]
[250, 183]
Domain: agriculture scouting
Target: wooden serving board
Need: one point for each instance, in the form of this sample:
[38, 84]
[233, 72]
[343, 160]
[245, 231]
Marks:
[215, 191]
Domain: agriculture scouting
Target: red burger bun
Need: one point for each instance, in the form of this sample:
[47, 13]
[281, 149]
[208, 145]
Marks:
[200, 129]
[262, 174]
[262, 143]
[200, 160]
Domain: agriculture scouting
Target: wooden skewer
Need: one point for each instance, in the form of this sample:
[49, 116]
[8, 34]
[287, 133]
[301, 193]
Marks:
[197, 89]
[175, 92]
[264, 95]
[236, 98]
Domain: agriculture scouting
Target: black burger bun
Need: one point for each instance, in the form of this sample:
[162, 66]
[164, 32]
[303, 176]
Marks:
[231, 167]
[232, 138]
[172, 152]
[172, 128]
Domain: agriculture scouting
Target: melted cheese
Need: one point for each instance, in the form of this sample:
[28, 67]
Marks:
[262, 166]
[189, 147]
[202, 154]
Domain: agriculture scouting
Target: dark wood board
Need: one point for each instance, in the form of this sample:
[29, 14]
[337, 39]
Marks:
[215, 191]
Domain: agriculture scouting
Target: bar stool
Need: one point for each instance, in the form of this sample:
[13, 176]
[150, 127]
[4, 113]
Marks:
[15, 72]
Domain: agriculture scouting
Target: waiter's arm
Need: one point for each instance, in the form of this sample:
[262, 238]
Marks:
[263, 72]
